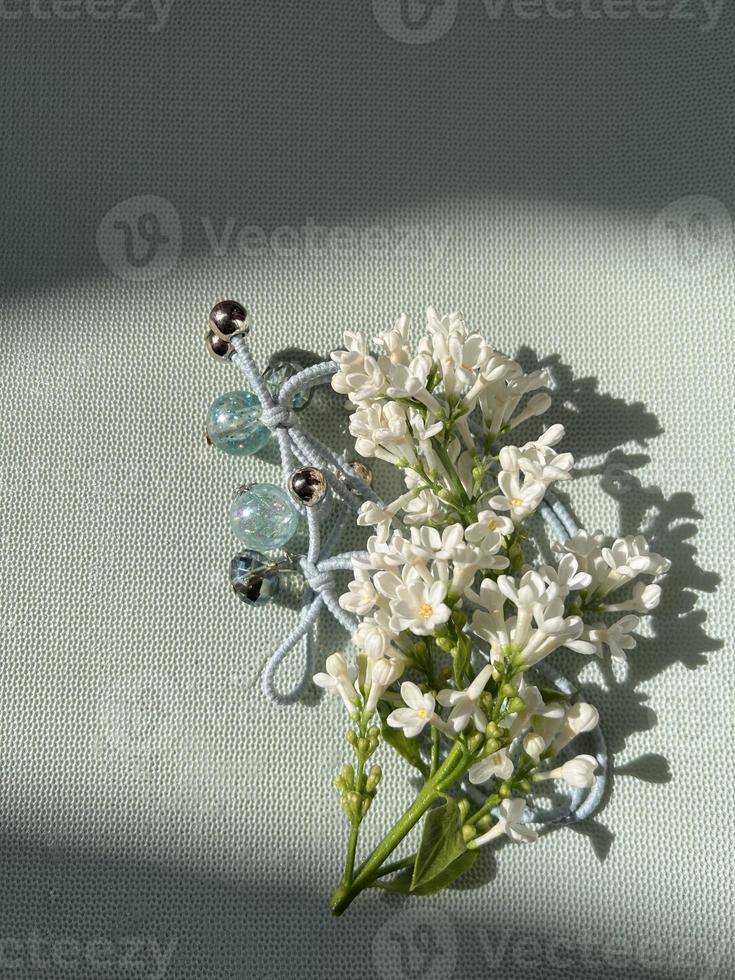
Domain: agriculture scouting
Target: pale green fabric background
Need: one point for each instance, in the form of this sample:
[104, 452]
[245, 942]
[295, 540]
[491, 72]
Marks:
[568, 185]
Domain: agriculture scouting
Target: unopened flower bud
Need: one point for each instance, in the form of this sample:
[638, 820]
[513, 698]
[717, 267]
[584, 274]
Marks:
[505, 790]
[362, 745]
[509, 691]
[444, 643]
[420, 649]
[468, 832]
[516, 704]
[374, 777]
[464, 808]
[492, 745]
[475, 741]
[351, 737]
[347, 775]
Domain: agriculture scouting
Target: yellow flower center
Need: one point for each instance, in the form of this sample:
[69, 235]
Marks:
[422, 714]
[492, 524]
[516, 501]
[426, 610]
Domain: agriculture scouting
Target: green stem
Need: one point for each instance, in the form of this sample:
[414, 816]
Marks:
[351, 852]
[367, 871]
[388, 869]
[451, 473]
[434, 750]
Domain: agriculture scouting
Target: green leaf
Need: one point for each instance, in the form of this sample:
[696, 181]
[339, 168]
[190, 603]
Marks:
[442, 844]
[402, 882]
[407, 747]
[449, 875]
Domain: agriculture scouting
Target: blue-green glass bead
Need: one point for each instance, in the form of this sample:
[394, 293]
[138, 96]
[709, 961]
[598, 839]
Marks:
[263, 517]
[253, 579]
[234, 426]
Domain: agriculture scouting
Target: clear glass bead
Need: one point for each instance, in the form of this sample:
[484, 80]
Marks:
[263, 517]
[234, 426]
[253, 579]
[284, 365]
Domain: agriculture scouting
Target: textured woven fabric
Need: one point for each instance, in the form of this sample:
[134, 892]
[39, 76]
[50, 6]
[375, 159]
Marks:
[568, 185]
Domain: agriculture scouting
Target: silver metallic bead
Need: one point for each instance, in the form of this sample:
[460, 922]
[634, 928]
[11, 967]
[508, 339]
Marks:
[308, 486]
[361, 470]
[228, 319]
[218, 348]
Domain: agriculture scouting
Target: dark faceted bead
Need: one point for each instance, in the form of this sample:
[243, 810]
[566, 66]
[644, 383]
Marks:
[308, 486]
[228, 320]
[218, 348]
[253, 578]
[282, 366]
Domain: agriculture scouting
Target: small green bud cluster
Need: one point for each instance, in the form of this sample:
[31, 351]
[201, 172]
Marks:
[358, 790]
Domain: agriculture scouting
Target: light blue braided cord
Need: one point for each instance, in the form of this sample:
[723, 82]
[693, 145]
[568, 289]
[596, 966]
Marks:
[582, 803]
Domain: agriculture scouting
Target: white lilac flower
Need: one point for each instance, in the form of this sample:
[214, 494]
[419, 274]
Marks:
[534, 744]
[373, 637]
[383, 675]
[632, 554]
[465, 704]
[545, 718]
[339, 679]
[539, 628]
[419, 607]
[566, 577]
[506, 384]
[536, 405]
[510, 815]
[586, 547]
[488, 531]
[578, 772]
[361, 596]
[359, 376]
[395, 342]
[553, 630]
[418, 713]
[579, 717]
[524, 593]
[409, 381]
[424, 507]
[616, 637]
[380, 430]
[614, 566]
[543, 464]
[428, 544]
[519, 499]
[498, 765]
[645, 598]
